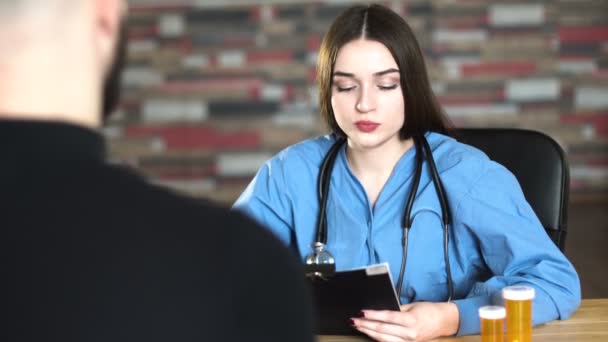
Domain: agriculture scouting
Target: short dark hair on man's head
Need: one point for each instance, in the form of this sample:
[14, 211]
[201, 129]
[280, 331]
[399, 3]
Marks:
[378, 23]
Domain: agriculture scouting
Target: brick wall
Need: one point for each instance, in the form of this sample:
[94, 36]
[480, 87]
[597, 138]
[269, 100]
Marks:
[214, 88]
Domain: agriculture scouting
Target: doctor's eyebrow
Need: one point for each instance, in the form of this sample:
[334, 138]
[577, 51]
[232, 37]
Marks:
[351, 75]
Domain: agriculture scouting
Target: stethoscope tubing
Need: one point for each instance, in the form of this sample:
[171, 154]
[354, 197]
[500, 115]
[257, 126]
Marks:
[422, 149]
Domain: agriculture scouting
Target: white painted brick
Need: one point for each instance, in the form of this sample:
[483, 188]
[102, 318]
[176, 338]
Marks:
[240, 164]
[273, 92]
[481, 110]
[516, 14]
[141, 76]
[195, 61]
[312, 57]
[459, 36]
[142, 46]
[533, 89]
[171, 25]
[170, 110]
[188, 185]
[453, 65]
[577, 67]
[266, 13]
[591, 98]
[232, 59]
[439, 88]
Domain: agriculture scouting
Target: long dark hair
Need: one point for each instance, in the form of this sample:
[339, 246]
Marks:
[378, 23]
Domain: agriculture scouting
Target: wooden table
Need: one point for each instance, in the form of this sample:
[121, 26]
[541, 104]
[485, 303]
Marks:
[588, 323]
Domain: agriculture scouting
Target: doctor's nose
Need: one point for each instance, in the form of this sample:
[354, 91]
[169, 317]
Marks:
[366, 102]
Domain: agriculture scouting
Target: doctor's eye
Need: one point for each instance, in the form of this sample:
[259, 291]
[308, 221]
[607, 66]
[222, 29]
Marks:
[391, 87]
[344, 89]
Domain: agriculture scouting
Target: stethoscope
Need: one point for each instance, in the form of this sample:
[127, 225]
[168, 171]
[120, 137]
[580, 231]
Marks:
[322, 259]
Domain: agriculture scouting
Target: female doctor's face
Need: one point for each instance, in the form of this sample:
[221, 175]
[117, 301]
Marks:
[366, 95]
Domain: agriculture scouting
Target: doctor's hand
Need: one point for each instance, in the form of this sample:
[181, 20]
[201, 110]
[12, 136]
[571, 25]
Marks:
[419, 321]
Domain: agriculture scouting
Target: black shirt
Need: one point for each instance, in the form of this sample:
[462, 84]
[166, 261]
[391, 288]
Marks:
[94, 253]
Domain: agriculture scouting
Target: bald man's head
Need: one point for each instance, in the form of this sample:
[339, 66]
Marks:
[31, 19]
[78, 44]
[22, 9]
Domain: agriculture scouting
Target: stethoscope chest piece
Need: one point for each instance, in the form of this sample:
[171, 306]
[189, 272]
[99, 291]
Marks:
[319, 263]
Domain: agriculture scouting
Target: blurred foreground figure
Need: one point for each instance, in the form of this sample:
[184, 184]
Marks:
[93, 252]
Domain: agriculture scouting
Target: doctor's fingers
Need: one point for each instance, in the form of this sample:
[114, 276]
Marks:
[387, 331]
[396, 317]
[406, 307]
[382, 337]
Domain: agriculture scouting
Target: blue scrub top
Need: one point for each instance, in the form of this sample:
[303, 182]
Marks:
[496, 240]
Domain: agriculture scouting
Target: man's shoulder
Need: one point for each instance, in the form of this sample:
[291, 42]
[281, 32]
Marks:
[161, 213]
[123, 191]
[158, 249]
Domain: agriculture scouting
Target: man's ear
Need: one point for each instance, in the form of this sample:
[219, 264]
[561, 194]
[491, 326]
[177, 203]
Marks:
[108, 14]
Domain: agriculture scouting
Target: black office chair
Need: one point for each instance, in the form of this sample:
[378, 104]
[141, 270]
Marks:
[540, 166]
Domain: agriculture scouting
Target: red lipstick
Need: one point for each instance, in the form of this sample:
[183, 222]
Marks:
[366, 126]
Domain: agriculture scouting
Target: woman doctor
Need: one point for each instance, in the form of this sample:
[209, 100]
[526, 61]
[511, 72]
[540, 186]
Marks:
[375, 94]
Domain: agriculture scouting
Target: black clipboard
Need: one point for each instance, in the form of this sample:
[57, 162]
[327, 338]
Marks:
[340, 296]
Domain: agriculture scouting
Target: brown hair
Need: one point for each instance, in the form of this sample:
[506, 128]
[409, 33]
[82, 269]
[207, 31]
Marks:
[378, 23]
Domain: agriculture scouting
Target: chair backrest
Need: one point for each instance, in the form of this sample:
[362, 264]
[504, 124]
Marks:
[539, 164]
